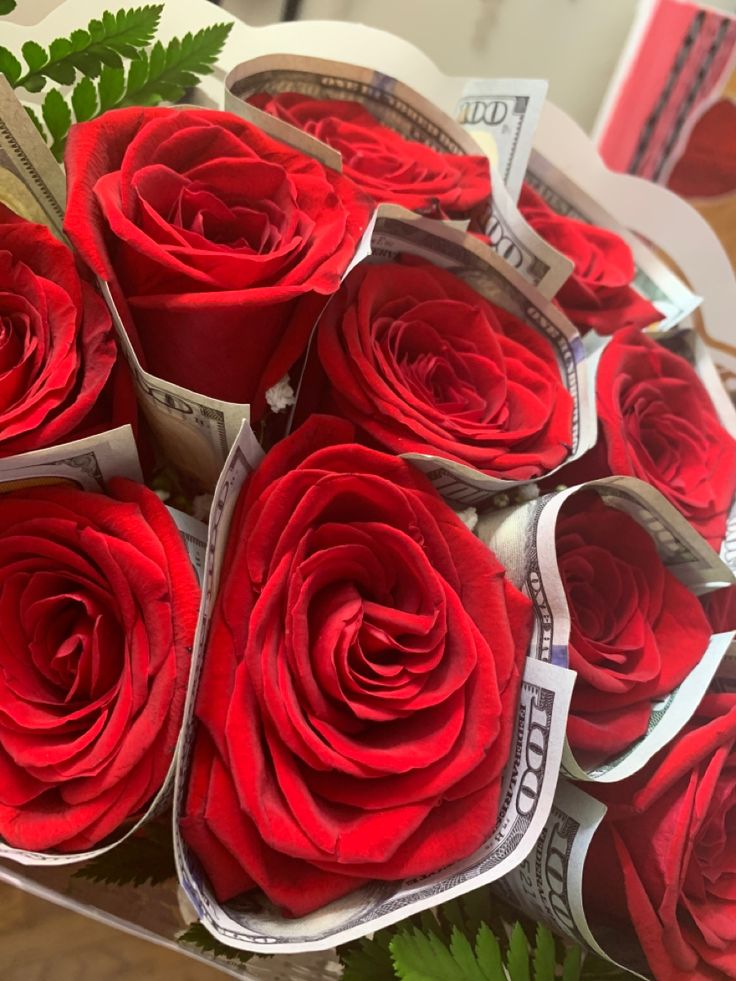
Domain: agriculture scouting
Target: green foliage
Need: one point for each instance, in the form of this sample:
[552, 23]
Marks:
[104, 42]
[475, 938]
[198, 936]
[116, 65]
[7, 6]
[144, 857]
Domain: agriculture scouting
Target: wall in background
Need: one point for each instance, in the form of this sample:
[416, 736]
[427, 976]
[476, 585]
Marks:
[575, 44]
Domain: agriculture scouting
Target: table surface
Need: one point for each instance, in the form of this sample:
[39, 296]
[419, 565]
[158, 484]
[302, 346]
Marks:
[43, 942]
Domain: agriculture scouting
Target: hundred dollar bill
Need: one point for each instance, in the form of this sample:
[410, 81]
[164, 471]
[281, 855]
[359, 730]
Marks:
[526, 796]
[515, 240]
[548, 884]
[194, 536]
[654, 280]
[85, 464]
[195, 432]
[524, 540]
[507, 110]
[394, 231]
[27, 163]
[414, 117]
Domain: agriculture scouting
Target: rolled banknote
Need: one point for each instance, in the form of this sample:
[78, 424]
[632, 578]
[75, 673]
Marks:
[395, 231]
[505, 137]
[85, 464]
[654, 280]
[524, 538]
[548, 884]
[526, 796]
[28, 161]
[507, 110]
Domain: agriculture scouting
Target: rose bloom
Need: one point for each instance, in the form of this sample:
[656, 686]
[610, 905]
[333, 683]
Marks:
[221, 244]
[657, 422]
[57, 350]
[98, 602]
[636, 631]
[664, 858]
[360, 684]
[598, 295]
[421, 363]
[384, 163]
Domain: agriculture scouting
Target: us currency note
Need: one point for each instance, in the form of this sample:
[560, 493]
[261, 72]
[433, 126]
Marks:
[526, 796]
[194, 536]
[515, 240]
[653, 280]
[507, 110]
[85, 464]
[414, 117]
[195, 432]
[395, 231]
[28, 167]
[523, 538]
[548, 884]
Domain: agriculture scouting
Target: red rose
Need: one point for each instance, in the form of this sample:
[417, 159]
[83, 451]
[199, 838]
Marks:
[360, 684]
[383, 163]
[664, 858]
[657, 423]
[598, 295]
[636, 631]
[56, 343]
[424, 364]
[213, 232]
[98, 602]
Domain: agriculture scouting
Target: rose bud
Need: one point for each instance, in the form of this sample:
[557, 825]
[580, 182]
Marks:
[224, 242]
[636, 631]
[98, 602]
[360, 684]
[386, 165]
[663, 862]
[598, 295]
[657, 422]
[421, 363]
[57, 349]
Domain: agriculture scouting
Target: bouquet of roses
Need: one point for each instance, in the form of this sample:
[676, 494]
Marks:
[468, 583]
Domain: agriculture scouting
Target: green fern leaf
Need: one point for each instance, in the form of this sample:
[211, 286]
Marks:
[144, 857]
[84, 100]
[110, 87]
[35, 120]
[423, 957]
[58, 118]
[488, 952]
[105, 42]
[35, 56]
[545, 955]
[571, 965]
[176, 67]
[10, 67]
[464, 957]
[368, 960]
[517, 959]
